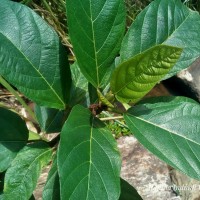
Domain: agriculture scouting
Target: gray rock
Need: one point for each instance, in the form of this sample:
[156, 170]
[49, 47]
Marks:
[144, 171]
[152, 178]
[188, 188]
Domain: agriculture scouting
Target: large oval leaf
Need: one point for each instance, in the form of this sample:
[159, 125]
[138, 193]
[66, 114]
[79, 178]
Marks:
[170, 128]
[13, 137]
[88, 159]
[96, 29]
[31, 56]
[165, 22]
[135, 77]
[21, 178]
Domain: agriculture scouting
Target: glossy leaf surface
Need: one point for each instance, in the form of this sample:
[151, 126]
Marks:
[31, 56]
[88, 159]
[96, 29]
[135, 77]
[13, 137]
[52, 187]
[169, 127]
[165, 22]
[21, 178]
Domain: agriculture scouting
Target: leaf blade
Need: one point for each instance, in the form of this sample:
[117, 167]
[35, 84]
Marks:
[87, 152]
[13, 137]
[49, 119]
[79, 90]
[101, 33]
[134, 78]
[165, 22]
[32, 61]
[166, 128]
[28, 165]
[128, 192]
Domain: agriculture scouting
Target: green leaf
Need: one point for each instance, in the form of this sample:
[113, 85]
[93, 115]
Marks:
[165, 22]
[82, 92]
[93, 96]
[50, 119]
[128, 192]
[21, 178]
[169, 127]
[32, 57]
[33, 136]
[52, 187]
[13, 137]
[88, 159]
[135, 77]
[96, 29]
[1, 182]
[79, 90]
[32, 198]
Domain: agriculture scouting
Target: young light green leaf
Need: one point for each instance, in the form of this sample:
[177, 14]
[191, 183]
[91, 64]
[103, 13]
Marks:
[96, 29]
[135, 77]
[88, 159]
[169, 127]
[165, 22]
[21, 178]
[103, 100]
[31, 56]
[52, 187]
[128, 192]
[50, 119]
[13, 137]
[33, 136]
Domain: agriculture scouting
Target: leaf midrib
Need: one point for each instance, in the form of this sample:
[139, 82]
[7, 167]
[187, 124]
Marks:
[168, 160]
[90, 161]
[94, 42]
[23, 55]
[94, 45]
[163, 128]
[165, 41]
